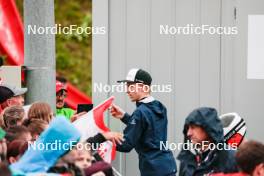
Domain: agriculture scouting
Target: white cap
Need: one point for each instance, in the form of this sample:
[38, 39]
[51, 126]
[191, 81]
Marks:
[233, 124]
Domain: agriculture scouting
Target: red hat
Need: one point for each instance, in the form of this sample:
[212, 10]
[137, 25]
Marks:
[60, 86]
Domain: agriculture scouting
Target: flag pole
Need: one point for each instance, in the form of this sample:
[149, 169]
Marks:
[116, 173]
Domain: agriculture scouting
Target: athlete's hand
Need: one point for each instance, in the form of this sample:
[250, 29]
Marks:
[117, 112]
[114, 136]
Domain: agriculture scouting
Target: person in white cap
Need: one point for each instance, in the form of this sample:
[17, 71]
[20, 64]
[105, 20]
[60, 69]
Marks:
[146, 128]
[11, 96]
[234, 128]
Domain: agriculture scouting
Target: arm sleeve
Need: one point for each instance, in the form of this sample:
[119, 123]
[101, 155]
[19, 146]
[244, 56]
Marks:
[132, 133]
[96, 140]
[126, 118]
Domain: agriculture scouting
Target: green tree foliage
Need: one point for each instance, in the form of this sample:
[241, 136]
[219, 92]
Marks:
[73, 52]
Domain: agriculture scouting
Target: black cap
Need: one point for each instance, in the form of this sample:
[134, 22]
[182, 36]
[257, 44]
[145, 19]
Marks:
[136, 75]
[9, 91]
[5, 94]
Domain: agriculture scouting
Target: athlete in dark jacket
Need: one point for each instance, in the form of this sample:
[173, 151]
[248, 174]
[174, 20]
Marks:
[203, 125]
[146, 128]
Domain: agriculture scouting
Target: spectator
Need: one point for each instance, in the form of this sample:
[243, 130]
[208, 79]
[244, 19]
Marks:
[40, 160]
[3, 147]
[234, 129]
[100, 168]
[203, 128]
[18, 132]
[146, 128]
[15, 150]
[85, 157]
[61, 94]
[230, 174]
[77, 161]
[250, 158]
[4, 170]
[66, 164]
[61, 109]
[36, 127]
[86, 162]
[13, 116]
[11, 96]
[40, 110]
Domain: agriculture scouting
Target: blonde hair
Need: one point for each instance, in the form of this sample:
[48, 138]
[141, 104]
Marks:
[40, 110]
[35, 126]
[12, 115]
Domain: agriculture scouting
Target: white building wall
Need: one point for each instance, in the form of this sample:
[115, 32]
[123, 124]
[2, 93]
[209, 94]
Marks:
[204, 70]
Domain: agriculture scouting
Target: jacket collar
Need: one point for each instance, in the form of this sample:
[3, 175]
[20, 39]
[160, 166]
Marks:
[145, 100]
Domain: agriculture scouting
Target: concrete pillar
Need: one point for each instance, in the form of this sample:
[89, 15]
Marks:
[39, 51]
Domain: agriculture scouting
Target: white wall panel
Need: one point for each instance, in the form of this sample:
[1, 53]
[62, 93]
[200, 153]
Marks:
[204, 70]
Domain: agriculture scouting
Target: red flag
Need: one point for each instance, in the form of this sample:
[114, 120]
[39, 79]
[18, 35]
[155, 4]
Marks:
[11, 32]
[92, 123]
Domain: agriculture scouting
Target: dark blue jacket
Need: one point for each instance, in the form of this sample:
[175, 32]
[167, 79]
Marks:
[145, 129]
[212, 161]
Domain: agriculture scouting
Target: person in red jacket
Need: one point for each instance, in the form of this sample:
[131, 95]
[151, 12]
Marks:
[250, 159]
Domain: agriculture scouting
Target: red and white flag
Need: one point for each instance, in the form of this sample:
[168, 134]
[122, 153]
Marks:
[92, 123]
